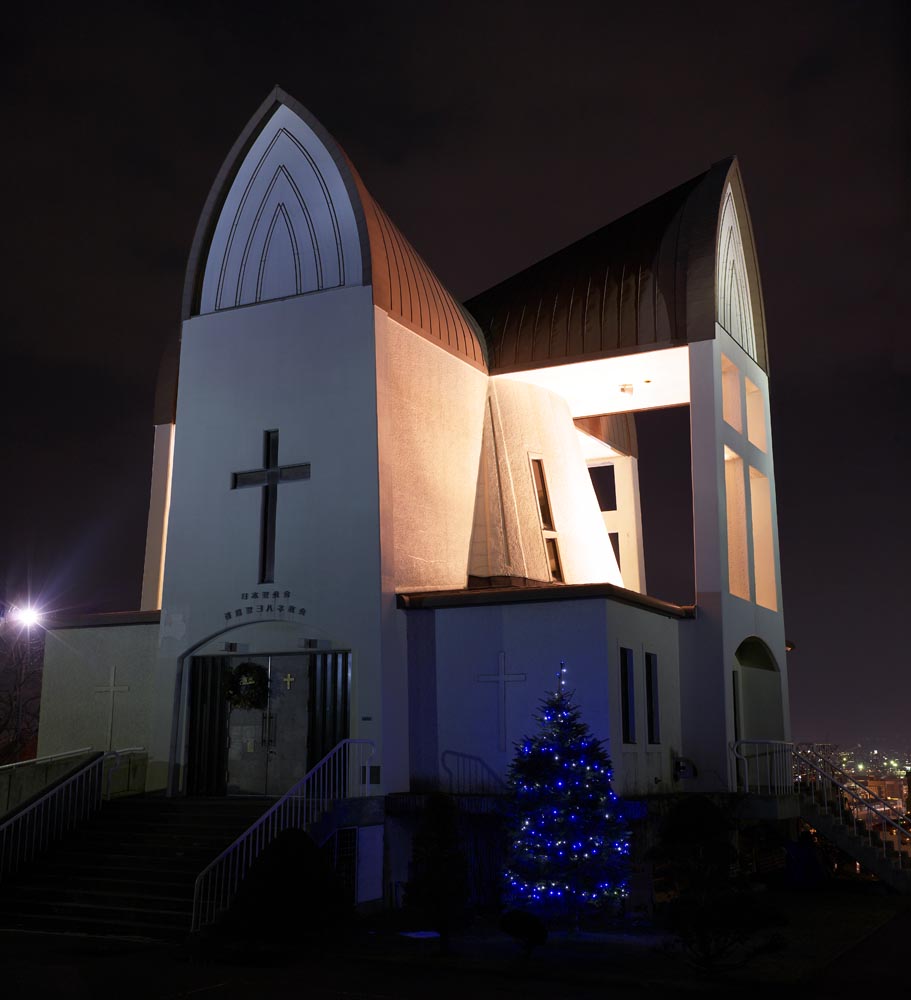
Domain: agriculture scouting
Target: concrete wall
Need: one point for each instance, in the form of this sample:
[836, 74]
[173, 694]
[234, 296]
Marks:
[430, 410]
[724, 620]
[159, 502]
[475, 738]
[79, 661]
[304, 366]
[524, 422]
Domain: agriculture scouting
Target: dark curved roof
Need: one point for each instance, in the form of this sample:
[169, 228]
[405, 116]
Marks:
[622, 288]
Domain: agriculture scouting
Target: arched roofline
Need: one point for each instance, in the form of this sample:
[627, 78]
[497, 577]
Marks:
[699, 250]
[205, 228]
[735, 179]
[645, 281]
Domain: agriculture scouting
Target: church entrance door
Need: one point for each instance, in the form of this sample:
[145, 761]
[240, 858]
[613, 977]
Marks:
[259, 722]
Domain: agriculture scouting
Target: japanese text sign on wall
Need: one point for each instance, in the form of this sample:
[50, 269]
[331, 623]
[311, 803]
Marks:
[264, 602]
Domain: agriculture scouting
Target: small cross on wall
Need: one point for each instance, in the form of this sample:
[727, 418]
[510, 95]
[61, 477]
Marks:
[288, 680]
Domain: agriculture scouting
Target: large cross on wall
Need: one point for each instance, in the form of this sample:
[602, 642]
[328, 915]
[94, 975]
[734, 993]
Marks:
[112, 689]
[269, 478]
[501, 678]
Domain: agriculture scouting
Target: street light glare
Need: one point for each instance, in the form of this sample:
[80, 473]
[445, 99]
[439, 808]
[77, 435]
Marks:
[27, 616]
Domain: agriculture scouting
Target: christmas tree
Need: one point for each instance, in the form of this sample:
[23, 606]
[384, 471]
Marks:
[569, 844]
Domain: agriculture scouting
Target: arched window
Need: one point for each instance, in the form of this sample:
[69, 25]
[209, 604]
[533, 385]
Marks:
[733, 301]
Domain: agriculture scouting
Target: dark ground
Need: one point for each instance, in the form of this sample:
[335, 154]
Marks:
[841, 941]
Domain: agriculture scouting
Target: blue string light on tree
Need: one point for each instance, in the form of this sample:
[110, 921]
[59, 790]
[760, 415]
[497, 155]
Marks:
[569, 846]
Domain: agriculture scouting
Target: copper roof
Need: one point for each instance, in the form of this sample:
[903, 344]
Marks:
[406, 288]
[620, 289]
[403, 284]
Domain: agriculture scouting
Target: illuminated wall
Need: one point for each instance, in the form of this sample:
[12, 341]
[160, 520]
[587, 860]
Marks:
[525, 423]
[430, 408]
[157, 529]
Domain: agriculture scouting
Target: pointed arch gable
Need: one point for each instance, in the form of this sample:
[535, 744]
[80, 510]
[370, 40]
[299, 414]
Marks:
[738, 294]
[283, 218]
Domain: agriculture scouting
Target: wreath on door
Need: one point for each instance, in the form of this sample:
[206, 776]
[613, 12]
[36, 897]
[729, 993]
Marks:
[248, 686]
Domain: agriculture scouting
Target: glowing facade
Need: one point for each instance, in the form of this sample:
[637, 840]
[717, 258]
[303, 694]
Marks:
[385, 497]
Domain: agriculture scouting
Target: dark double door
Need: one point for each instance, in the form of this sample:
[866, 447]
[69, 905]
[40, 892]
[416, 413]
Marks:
[257, 724]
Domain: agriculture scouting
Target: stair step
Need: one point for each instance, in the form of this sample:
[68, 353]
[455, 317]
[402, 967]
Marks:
[102, 865]
[129, 914]
[101, 896]
[130, 871]
[94, 925]
[117, 841]
[127, 882]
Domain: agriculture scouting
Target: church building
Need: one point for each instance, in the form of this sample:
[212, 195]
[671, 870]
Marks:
[386, 515]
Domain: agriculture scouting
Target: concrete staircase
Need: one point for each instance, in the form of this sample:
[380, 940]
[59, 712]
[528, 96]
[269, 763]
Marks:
[130, 871]
[873, 849]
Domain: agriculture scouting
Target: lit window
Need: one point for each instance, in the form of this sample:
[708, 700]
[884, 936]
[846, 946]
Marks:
[735, 504]
[730, 394]
[763, 544]
[755, 417]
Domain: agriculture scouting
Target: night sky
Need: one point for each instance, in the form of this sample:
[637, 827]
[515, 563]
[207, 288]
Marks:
[493, 134]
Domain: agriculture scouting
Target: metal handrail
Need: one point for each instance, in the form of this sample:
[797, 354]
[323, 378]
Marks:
[46, 759]
[471, 775]
[62, 808]
[837, 802]
[772, 760]
[339, 774]
[847, 778]
[117, 756]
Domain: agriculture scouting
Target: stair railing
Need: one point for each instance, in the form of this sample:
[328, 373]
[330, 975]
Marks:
[46, 759]
[848, 801]
[764, 767]
[62, 807]
[470, 775]
[341, 774]
[118, 757]
[845, 777]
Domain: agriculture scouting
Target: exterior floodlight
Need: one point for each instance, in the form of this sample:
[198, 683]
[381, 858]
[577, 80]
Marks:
[26, 616]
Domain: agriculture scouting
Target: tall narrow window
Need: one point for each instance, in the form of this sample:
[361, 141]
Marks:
[553, 559]
[651, 698]
[548, 528]
[763, 542]
[730, 393]
[627, 695]
[756, 416]
[547, 520]
[735, 504]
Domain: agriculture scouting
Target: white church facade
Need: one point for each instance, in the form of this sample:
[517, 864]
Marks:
[383, 498]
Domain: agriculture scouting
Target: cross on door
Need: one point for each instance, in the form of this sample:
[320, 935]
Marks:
[269, 477]
[112, 689]
[502, 678]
